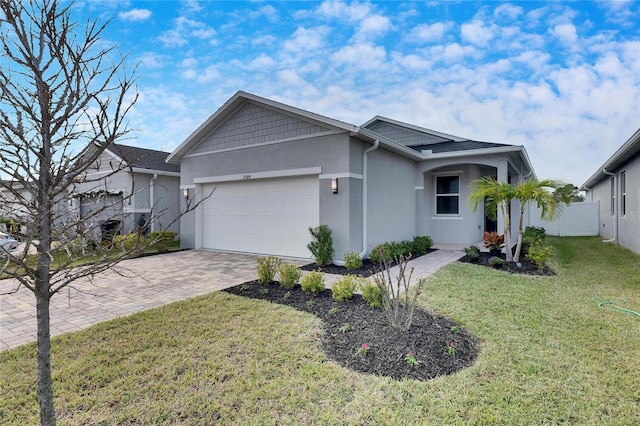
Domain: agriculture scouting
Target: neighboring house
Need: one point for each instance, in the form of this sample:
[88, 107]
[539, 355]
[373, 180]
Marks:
[128, 188]
[616, 185]
[13, 212]
[273, 170]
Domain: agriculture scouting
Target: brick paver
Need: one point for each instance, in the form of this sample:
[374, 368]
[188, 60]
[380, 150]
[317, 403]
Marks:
[145, 283]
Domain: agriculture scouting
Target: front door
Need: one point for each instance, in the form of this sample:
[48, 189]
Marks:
[489, 224]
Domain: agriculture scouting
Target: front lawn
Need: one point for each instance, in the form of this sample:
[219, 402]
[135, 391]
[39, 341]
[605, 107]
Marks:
[549, 354]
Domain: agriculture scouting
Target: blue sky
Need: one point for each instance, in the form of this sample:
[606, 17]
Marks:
[560, 78]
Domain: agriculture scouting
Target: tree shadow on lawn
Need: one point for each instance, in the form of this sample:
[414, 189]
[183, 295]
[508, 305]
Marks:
[439, 345]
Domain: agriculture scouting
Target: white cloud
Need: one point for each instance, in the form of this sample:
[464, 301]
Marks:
[507, 10]
[135, 15]
[262, 62]
[374, 25]
[184, 29]
[270, 12]
[566, 33]
[339, 9]
[426, 32]
[477, 32]
[361, 56]
[453, 52]
[307, 40]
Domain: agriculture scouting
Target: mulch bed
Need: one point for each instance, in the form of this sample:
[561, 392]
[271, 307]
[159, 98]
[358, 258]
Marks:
[427, 338]
[368, 267]
[526, 267]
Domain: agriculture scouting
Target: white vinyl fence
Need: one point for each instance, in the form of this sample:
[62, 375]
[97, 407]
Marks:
[577, 220]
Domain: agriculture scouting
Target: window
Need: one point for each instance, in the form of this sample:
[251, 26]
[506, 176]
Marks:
[613, 196]
[447, 194]
[623, 193]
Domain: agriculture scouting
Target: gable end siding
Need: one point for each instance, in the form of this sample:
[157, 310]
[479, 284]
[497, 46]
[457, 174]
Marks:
[253, 124]
[404, 136]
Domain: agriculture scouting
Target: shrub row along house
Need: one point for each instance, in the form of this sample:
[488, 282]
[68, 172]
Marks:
[266, 172]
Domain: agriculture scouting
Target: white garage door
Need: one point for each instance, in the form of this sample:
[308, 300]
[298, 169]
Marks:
[269, 216]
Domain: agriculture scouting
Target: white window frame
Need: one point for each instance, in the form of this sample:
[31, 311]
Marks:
[613, 195]
[436, 176]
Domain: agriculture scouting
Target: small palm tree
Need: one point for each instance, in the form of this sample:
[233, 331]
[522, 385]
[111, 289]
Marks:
[496, 195]
[545, 194]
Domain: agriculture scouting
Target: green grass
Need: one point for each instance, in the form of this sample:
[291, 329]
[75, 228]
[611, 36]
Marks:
[549, 355]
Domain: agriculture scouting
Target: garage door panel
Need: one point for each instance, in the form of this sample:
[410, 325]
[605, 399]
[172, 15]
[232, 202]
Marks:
[270, 216]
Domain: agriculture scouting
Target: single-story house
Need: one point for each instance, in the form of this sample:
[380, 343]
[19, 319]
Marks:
[264, 172]
[127, 188]
[616, 184]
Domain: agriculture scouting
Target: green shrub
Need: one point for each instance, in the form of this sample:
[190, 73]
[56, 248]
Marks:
[127, 242]
[472, 252]
[321, 245]
[381, 253]
[161, 239]
[289, 275]
[352, 261]
[371, 294]
[495, 261]
[313, 282]
[267, 268]
[389, 251]
[343, 289]
[422, 244]
[400, 249]
[532, 235]
[539, 253]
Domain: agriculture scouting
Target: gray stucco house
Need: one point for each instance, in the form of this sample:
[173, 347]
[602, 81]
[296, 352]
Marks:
[271, 171]
[616, 185]
[126, 187]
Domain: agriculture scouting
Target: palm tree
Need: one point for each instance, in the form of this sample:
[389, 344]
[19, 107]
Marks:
[545, 194]
[496, 195]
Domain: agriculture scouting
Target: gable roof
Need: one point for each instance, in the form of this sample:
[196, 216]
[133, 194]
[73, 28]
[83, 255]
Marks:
[452, 146]
[408, 134]
[404, 139]
[628, 150]
[236, 102]
[143, 158]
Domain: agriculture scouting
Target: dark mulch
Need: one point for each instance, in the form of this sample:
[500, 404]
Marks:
[427, 339]
[526, 267]
[368, 267]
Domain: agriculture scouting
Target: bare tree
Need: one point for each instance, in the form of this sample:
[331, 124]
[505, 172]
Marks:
[63, 100]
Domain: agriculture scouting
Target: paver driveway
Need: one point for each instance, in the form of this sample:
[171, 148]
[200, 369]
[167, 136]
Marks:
[149, 282]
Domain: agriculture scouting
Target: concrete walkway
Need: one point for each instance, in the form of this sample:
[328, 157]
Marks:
[145, 283]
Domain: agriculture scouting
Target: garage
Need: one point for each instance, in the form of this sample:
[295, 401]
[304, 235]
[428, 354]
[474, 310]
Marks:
[266, 216]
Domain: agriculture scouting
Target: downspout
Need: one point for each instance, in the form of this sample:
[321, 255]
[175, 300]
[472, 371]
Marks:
[615, 207]
[363, 253]
[152, 194]
[365, 197]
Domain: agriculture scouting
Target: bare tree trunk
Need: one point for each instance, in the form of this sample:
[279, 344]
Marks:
[45, 384]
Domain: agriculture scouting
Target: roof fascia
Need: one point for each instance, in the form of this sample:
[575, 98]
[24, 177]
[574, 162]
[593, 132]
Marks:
[231, 106]
[614, 161]
[519, 149]
[390, 144]
[414, 128]
[154, 172]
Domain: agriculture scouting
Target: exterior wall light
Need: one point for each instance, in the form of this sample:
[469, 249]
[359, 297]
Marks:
[185, 193]
[334, 185]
